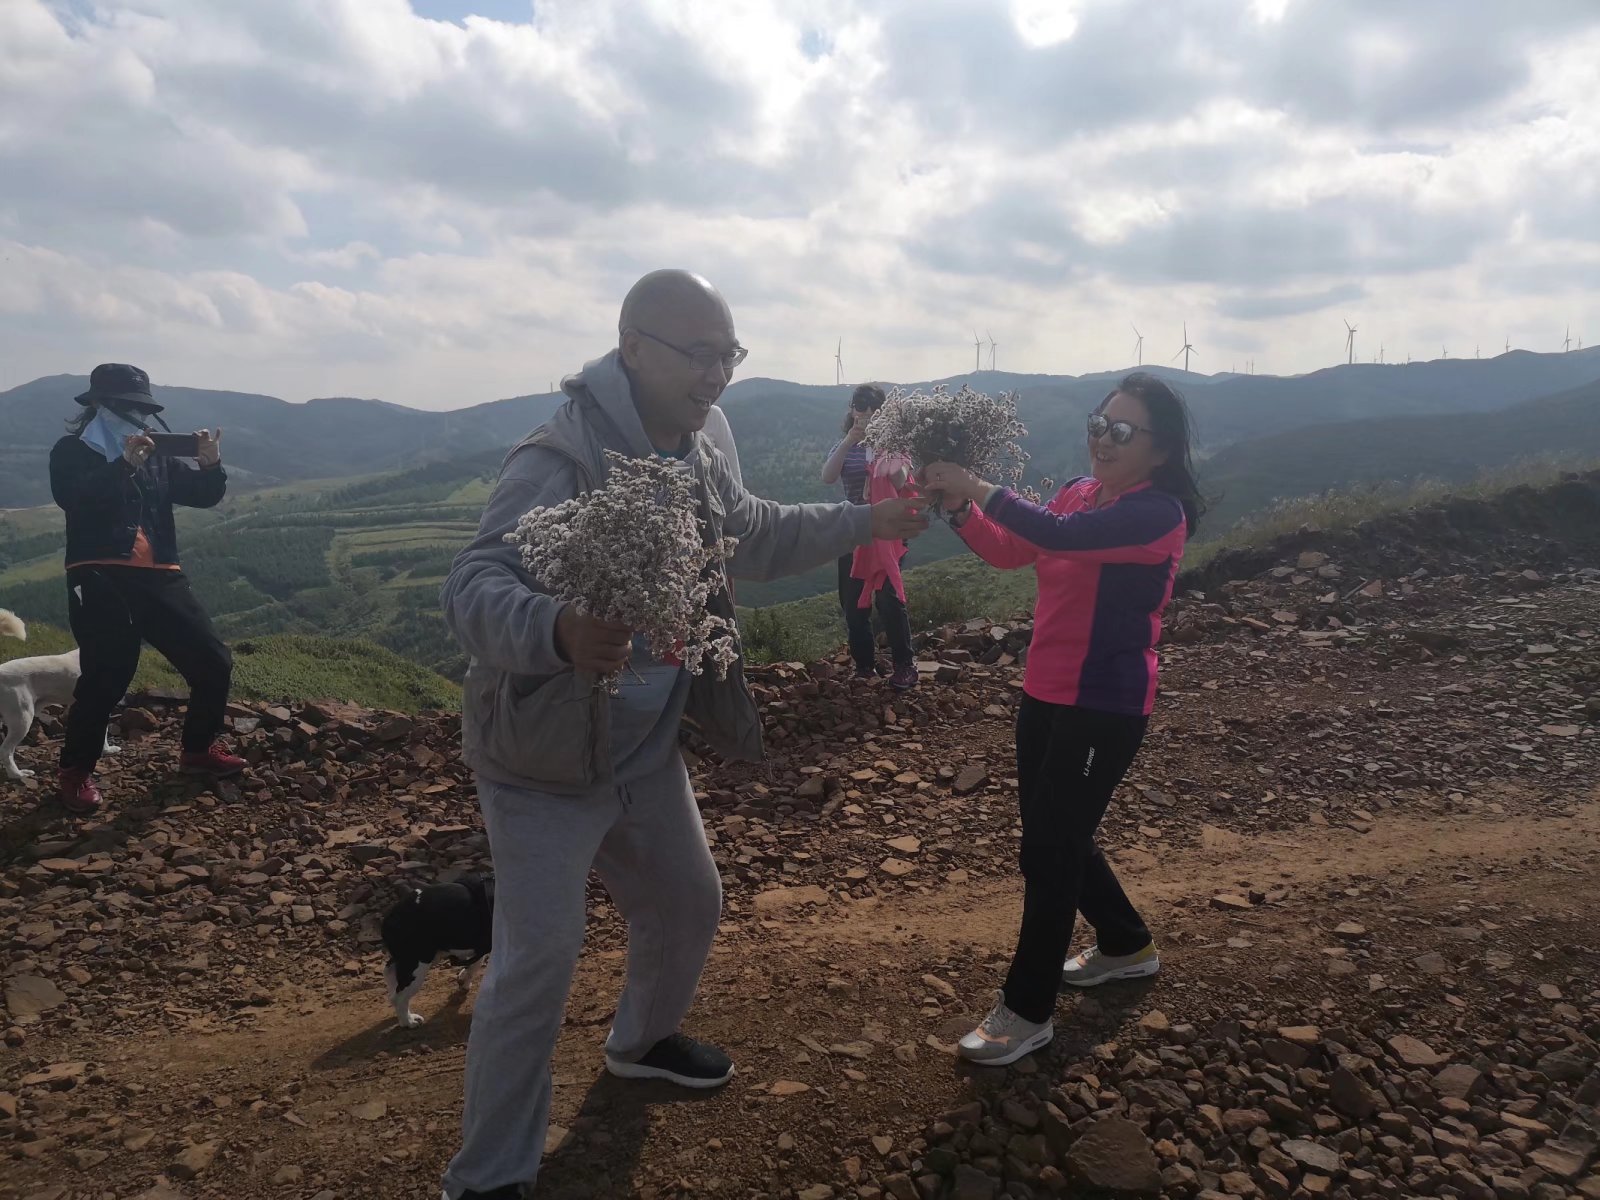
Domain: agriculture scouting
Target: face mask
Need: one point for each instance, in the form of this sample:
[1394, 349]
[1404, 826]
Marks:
[108, 431]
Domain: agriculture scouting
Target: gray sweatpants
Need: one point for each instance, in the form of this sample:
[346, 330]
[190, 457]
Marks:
[647, 844]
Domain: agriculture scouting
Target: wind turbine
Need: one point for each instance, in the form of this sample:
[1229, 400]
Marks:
[1187, 348]
[1350, 343]
[1138, 344]
[1566, 342]
[838, 362]
[1508, 343]
[993, 346]
[977, 352]
[1380, 352]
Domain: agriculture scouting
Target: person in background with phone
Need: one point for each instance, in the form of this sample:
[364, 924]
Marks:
[124, 585]
[850, 463]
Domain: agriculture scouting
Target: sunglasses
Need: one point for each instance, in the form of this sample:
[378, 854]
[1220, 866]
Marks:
[1120, 432]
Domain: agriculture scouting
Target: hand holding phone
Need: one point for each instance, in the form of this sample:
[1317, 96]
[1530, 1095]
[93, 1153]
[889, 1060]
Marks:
[210, 448]
[136, 448]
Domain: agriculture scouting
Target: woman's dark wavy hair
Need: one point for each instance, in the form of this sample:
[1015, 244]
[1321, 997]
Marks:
[873, 396]
[79, 421]
[1173, 430]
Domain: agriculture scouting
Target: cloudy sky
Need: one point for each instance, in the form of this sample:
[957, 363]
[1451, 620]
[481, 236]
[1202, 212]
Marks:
[442, 202]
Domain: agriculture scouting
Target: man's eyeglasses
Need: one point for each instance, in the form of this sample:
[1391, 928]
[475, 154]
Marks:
[703, 360]
[1121, 431]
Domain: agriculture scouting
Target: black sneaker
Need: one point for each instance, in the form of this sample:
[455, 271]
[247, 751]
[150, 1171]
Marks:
[511, 1191]
[679, 1059]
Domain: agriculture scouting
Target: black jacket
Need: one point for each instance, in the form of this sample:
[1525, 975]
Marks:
[107, 503]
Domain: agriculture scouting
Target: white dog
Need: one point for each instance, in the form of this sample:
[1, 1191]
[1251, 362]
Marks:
[25, 684]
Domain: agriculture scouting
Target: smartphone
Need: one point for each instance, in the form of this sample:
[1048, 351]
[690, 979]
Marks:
[176, 445]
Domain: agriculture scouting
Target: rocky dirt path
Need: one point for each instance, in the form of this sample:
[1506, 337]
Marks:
[841, 1018]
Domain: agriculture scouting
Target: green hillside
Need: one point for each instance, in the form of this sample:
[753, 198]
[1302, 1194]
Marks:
[282, 666]
[352, 559]
[363, 558]
[288, 667]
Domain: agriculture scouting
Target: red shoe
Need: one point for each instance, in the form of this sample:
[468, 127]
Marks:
[214, 761]
[77, 793]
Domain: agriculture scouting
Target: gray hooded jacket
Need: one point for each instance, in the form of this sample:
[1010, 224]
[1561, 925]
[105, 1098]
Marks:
[528, 718]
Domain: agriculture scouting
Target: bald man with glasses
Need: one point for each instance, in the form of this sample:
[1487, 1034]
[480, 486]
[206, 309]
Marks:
[569, 778]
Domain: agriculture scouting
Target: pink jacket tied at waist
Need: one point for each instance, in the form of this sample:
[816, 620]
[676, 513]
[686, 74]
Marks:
[877, 564]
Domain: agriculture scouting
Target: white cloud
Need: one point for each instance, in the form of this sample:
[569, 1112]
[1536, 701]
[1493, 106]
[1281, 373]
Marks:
[317, 197]
[1044, 22]
[345, 258]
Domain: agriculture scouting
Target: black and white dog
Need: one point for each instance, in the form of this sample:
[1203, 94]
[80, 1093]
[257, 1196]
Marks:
[455, 919]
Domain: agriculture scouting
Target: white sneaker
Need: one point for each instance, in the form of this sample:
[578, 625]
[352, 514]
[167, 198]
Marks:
[1091, 968]
[1003, 1037]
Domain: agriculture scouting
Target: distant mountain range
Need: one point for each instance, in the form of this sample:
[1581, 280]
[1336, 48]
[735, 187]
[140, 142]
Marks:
[781, 427]
[1248, 475]
[266, 441]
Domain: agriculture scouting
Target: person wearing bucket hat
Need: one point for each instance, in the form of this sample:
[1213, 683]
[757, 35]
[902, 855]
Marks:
[120, 384]
[124, 584]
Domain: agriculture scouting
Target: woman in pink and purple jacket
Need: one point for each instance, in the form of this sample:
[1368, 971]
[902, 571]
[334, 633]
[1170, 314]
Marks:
[1106, 550]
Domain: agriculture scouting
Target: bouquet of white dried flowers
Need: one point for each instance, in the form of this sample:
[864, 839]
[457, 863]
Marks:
[971, 429]
[633, 551]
